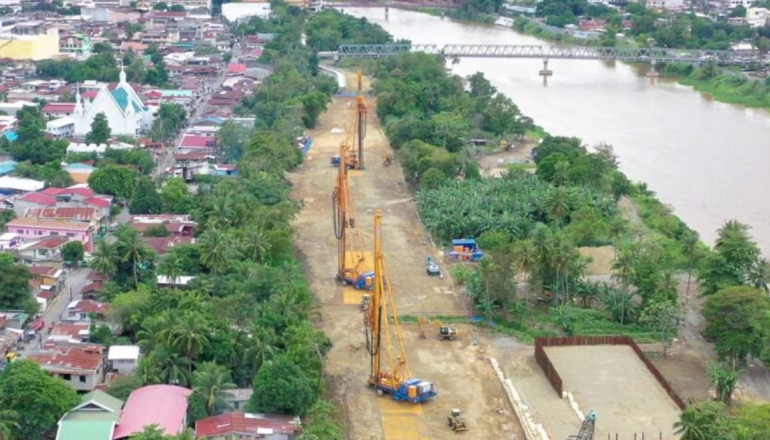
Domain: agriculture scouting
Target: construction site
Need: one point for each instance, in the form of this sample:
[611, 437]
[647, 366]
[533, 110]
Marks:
[396, 373]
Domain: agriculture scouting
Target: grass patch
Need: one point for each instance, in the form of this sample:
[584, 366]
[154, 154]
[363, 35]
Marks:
[731, 90]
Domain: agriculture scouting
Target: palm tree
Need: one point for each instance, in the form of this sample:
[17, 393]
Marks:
[9, 422]
[260, 348]
[560, 173]
[168, 366]
[690, 242]
[689, 427]
[587, 292]
[218, 250]
[189, 335]
[221, 212]
[153, 331]
[723, 379]
[256, 244]
[212, 382]
[133, 249]
[148, 371]
[617, 227]
[760, 274]
[622, 267]
[558, 202]
[455, 61]
[172, 267]
[103, 258]
[526, 258]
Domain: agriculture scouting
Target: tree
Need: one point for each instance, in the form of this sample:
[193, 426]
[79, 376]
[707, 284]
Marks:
[319, 424]
[723, 379]
[665, 317]
[114, 180]
[39, 399]
[176, 197]
[160, 6]
[132, 250]
[72, 251]
[176, 8]
[212, 382]
[189, 335]
[122, 386]
[281, 386]
[103, 258]
[233, 138]
[738, 323]
[152, 432]
[100, 130]
[145, 198]
[9, 423]
[14, 289]
[701, 421]
[735, 253]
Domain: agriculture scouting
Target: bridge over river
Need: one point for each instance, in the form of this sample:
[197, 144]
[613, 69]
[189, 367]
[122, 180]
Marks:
[645, 54]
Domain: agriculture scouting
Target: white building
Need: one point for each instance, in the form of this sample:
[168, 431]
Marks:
[125, 111]
[123, 358]
[234, 12]
[733, 3]
[62, 127]
[757, 17]
[665, 4]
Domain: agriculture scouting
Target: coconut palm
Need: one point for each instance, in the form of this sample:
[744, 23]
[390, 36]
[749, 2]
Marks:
[212, 381]
[260, 348]
[218, 250]
[188, 335]
[560, 173]
[558, 202]
[526, 258]
[690, 242]
[760, 274]
[701, 421]
[689, 427]
[148, 371]
[9, 422]
[103, 259]
[131, 248]
[255, 244]
[172, 267]
[168, 366]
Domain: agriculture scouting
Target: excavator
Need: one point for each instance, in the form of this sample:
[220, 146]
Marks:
[354, 144]
[445, 332]
[382, 331]
[586, 429]
[351, 263]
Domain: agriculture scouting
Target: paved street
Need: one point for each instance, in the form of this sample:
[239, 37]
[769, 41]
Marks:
[71, 291]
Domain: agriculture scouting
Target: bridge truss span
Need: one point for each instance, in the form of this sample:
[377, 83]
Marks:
[651, 54]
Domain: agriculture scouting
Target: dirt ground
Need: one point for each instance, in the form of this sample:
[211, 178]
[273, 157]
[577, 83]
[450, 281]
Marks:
[464, 378]
[494, 163]
[612, 381]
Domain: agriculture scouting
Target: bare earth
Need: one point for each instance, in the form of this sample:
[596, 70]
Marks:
[612, 381]
[461, 371]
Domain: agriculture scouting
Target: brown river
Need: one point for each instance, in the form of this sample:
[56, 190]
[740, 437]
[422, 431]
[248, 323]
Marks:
[709, 161]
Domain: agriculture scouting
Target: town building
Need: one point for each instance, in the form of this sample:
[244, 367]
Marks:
[162, 405]
[82, 310]
[246, 426]
[123, 359]
[49, 278]
[125, 112]
[38, 228]
[757, 17]
[21, 46]
[78, 44]
[41, 250]
[82, 367]
[63, 127]
[95, 418]
[18, 185]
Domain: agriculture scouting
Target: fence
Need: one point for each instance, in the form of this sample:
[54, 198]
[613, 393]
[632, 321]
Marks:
[553, 376]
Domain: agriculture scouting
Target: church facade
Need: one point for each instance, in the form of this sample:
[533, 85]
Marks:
[125, 111]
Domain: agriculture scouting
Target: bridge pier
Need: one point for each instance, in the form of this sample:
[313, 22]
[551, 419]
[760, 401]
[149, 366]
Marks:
[653, 72]
[545, 73]
[386, 12]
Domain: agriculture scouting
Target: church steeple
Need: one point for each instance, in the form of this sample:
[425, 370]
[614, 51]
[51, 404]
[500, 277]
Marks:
[78, 101]
[122, 73]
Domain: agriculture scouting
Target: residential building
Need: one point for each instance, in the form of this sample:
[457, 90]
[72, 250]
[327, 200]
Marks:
[82, 310]
[757, 17]
[16, 185]
[123, 359]
[94, 285]
[38, 228]
[41, 250]
[93, 216]
[63, 127]
[163, 280]
[59, 109]
[76, 196]
[15, 319]
[238, 398]
[51, 279]
[246, 426]
[178, 225]
[124, 110]
[235, 12]
[665, 4]
[9, 240]
[733, 3]
[95, 418]
[80, 366]
[76, 44]
[161, 405]
[29, 47]
[161, 245]
[68, 333]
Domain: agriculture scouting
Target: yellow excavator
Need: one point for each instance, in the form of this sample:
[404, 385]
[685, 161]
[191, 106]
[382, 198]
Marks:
[445, 332]
[383, 332]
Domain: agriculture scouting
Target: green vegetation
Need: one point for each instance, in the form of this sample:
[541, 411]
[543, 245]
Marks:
[328, 29]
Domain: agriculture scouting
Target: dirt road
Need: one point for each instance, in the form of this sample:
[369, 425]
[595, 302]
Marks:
[463, 376]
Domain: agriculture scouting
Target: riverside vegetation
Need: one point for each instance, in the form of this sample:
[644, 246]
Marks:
[531, 281]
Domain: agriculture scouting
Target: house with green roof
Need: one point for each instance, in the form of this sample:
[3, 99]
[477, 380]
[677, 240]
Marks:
[95, 418]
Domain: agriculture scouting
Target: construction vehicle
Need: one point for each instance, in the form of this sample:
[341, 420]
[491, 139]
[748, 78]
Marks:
[445, 332]
[456, 421]
[382, 330]
[351, 264]
[466, 249]
[431, 268]
[354, 144]
[505, 145]
[586, 429]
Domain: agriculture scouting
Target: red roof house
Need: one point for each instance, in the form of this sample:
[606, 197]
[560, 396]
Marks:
[244, 425]
[190, 141]
[161, 405]
[236, 68]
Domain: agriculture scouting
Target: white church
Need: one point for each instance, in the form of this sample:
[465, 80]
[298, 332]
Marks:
[125, 112]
